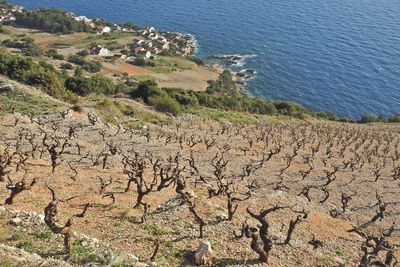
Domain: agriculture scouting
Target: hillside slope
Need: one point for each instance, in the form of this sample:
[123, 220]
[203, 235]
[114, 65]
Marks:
[335, 185]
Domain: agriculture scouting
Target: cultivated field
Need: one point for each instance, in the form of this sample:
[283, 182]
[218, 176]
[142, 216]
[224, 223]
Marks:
[298, 194]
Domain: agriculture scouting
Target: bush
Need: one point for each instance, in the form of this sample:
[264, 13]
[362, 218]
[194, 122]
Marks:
[51, 20]
[140, 61]
[146, 89]
[92, 66]
[394, 119]
[368, 118]
[52, 53]
[113, 46]
[67, 66]
[26, 45]
[84, 86]
[25, 70]
[77, 108]
[58, 57]
[165, 103]
[196, 60]
[83, 53]
[78, 60]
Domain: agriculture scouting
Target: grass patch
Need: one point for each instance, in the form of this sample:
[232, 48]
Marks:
[104, 39]
[326, 262]
[124, 214]
[130, 115]
[26, 245]
[225, 116]
[42, 234]
[160, 69]
[154, 229]
[26, 103]
[170, 256]
[4, 232]
[143, 78]
[6, 263]
[80, 252]
[17, 236]
[175, 63]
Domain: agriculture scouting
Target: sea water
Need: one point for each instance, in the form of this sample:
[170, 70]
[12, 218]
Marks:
[339, 56]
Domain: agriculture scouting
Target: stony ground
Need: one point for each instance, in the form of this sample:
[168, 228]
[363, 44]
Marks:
[342, 176]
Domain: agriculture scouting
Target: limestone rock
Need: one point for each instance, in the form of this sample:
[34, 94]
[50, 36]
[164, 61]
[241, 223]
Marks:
[16, 221]
[132, 258]
[203, 255]
[41, 218]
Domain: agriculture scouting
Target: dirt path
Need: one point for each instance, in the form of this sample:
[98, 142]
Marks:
[125, 67]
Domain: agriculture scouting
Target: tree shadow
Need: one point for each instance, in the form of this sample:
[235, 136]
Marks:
[56, 254]
[236, 262]
[176, 240]
[189, 260]
[168, 206]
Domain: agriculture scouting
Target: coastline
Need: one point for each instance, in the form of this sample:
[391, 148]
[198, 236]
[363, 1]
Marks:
[231, 62]
[195, 79]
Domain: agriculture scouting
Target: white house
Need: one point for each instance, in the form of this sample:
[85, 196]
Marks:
[142, 53]
[104, 29]
[100, 51]
[81, 18]
[164, 45]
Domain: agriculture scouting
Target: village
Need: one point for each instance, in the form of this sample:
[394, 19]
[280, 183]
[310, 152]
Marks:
[112, 49]
[147, 43]
[7, 12]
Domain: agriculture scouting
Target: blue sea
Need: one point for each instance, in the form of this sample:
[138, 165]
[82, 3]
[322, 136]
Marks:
[341, 56]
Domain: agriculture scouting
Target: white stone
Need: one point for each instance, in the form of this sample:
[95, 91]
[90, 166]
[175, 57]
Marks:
[203, 255]
[41, 218]
[2, 209]
[15, 221]
[132, 258]
[340, 261]
[36, 256]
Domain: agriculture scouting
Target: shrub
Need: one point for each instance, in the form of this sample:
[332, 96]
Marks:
[26, 45]
[67, 66]
[165, 103]
[113, 46]
[368, 118]
[77, 108]
[142, 62]
[196, 60]
[83, 53]
[84, 86]
[58, 57]
[51, 20]
[78, 60]
[92, 66]
[146, 89]
[395, 118]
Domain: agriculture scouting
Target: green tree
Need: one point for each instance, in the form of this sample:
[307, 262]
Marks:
[147, 89]
[165, 103]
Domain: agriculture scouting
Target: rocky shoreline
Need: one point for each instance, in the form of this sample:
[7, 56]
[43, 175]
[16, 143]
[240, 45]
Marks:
[235, 63]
